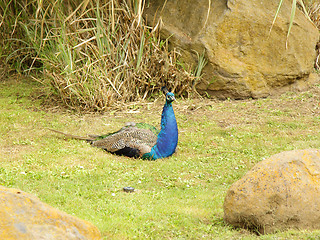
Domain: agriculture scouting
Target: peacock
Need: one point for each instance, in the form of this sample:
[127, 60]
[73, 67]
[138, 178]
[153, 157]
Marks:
[140, 140]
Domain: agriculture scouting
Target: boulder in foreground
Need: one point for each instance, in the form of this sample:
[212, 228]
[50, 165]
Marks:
[279, 193]
[23, 216]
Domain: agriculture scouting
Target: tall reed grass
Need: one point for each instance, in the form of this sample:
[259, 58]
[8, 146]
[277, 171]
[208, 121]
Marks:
[314, 13]
[93, 54]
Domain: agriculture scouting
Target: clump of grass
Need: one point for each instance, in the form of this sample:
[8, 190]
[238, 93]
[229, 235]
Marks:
[292, 14]
[202, 62]
[314, 13]
[94, 55]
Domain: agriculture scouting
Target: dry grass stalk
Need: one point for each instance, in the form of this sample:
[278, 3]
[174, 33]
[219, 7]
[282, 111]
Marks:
[314, 14]
[96, 54]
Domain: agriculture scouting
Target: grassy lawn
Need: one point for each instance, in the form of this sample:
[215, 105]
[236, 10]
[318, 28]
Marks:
[180, 197]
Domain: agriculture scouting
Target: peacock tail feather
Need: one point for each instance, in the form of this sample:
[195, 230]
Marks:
[128, 125]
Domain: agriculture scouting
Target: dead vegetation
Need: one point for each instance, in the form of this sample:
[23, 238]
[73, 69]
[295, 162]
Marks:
[314, 14]
[93, 55]
[96, 55]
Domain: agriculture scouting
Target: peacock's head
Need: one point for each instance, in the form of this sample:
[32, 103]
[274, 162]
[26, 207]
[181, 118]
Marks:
[169, 95]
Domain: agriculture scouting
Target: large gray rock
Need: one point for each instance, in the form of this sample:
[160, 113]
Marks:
[23, 216]
[244, 60]
[278, 193]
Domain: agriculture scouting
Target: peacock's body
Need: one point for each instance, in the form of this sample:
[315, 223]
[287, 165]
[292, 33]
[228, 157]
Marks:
[141, 139]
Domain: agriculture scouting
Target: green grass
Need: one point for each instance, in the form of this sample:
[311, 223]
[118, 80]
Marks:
[180, 197]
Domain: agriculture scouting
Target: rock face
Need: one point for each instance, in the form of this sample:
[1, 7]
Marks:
[244, 60]
[23, 216]
[278, 193]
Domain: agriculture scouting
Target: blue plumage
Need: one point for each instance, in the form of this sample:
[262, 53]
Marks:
[141, 139]
[167, 139]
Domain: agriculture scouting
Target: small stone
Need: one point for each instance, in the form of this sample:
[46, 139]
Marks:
[128, 189]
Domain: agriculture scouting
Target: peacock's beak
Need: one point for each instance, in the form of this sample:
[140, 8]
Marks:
[170, 98]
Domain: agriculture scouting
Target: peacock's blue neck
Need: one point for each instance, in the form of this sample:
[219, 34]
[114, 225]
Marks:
[168, 137]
